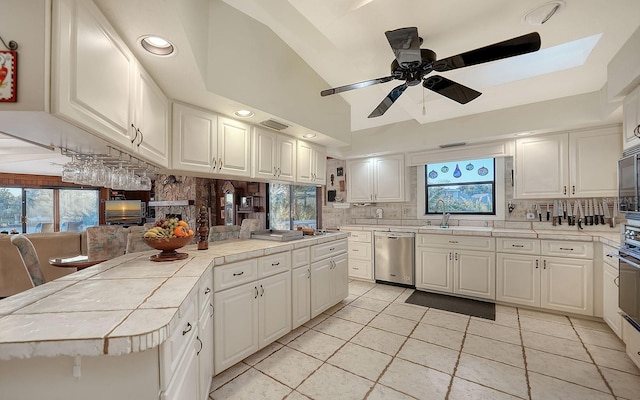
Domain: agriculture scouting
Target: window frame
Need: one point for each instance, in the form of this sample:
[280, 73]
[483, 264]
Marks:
[499, 194]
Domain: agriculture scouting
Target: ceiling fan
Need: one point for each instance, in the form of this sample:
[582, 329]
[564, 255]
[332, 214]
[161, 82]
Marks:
[413, 64]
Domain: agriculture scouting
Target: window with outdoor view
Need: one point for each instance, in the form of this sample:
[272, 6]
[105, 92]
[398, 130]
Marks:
[465, 187]
[292, 205]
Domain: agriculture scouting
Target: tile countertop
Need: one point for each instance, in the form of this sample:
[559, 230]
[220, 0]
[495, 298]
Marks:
[610, 237]
[124, 305]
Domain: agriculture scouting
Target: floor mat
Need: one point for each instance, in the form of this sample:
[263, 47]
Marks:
[474, 308]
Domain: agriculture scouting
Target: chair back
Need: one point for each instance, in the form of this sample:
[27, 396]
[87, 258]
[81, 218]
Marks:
[105, 242]
[135, 242]
[29, 258]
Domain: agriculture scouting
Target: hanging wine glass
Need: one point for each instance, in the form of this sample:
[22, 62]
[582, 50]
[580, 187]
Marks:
[71, 170]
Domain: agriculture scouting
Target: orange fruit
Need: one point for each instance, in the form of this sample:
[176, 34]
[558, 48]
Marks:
[183, 224]
[190, 232]
[180, 231]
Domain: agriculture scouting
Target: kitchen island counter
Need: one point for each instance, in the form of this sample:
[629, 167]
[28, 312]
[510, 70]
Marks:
[124, 305]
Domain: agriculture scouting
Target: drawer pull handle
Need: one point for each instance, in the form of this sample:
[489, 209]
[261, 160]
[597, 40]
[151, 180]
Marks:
[207, 291]
[275, 264]
[201, 345]
[212, 309]
[238, 273]
[356, 268]
[332, 249]
[262, 290]
[256, 289]
[616, 281]
[187, 329]
[517, 245]
[536, 264]
[566, 248]
[354, 249]
[453, 241]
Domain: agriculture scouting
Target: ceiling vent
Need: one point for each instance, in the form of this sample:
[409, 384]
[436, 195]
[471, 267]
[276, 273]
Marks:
[273, 124]
[457, 144]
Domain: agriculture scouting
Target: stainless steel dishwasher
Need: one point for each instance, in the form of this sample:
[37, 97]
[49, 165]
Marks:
[394, 257]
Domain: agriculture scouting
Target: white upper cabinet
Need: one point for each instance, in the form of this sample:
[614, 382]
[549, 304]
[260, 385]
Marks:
[97, 84]
[631, 121]
[234, 148]
[274, 156]
[205, 142]
[92, 72]
[379, 179]
[576, 164]
[151, 136]
[311, 163]
[195, 139]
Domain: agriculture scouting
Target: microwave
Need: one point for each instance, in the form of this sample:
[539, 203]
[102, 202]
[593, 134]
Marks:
[628, 184]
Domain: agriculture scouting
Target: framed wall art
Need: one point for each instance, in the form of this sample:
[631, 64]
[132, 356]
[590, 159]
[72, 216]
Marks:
[8, 76]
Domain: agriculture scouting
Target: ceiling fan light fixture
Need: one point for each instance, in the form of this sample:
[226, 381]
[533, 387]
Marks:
[543, 13]
[157, 45]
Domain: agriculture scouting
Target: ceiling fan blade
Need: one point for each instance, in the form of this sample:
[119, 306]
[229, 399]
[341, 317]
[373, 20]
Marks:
[448, 88]
[406, 45]
[388, 101]
[513, 47]
[356, 86]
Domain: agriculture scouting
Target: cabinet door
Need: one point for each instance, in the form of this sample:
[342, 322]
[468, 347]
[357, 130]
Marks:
[388, 182]
[264, 150]
[194, 138]
[304, 170]
[320, 287]
[434, 269]
[234, 148]
[205, 351]
[594, 159]
[151, 138]
[631, 119]
[610, 299]
[518, 279]
[235, 325]
[359, 180]
[339, 279]
[92, 72]
[275, 307]
[475, 274]
[301, 296]
[286, 147]
[184, 384]
[567, 285]
[542, 169]
[319, 156]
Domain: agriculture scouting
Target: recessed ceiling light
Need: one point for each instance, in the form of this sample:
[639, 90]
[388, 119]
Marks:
[543, 13]
[157, 46]
[309, 135]
[244, 113]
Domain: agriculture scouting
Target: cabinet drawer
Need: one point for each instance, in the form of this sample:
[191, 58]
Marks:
[360, 269]
[300, 257]
[566, 248]
[457, 242]
[205, 289]
[273, 264]
[231, 275]
[360, 236]
[326, 250]
[606, 249]
[360, 251]
[519, 246]
[181, 334]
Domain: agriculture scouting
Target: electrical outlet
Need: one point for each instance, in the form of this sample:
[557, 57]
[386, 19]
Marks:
[531, 215]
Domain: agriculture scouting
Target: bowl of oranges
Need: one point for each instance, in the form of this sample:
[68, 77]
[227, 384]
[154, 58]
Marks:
[168, 235]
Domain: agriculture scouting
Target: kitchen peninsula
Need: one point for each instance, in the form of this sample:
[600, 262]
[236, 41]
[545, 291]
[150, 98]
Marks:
[130, 328]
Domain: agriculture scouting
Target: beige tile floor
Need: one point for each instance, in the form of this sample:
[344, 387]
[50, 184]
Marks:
[374, 346]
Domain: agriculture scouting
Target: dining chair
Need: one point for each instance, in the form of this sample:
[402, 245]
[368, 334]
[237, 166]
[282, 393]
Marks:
[105, 242]
[29, 258]
[135, 242]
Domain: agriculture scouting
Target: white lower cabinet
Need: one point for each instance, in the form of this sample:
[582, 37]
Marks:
[555, 283]
[329, 283]
[610, 310]
[252, 315]
[453, 269]
[185, 382]
[360, 255]
[301, 296]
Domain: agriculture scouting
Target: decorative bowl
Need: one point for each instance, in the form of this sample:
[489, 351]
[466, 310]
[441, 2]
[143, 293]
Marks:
[168, 247]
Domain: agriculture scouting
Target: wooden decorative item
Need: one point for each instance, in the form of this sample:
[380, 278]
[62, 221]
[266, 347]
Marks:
[203, 229]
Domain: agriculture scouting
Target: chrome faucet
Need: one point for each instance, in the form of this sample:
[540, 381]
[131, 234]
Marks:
[445, 215]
